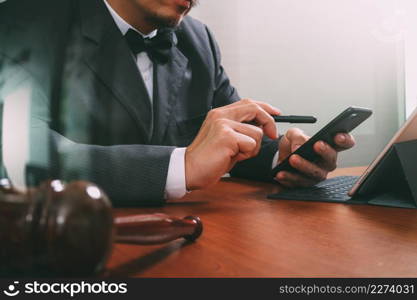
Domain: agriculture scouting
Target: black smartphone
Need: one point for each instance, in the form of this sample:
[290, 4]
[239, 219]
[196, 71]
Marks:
[348, 120]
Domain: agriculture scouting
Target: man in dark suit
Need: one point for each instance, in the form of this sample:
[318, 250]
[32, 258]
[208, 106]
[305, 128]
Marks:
[134, 98]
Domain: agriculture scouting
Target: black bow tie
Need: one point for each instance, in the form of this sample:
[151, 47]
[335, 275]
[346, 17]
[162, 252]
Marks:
[158, 48]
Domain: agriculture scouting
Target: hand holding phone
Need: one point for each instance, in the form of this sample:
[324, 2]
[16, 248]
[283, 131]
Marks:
[345, 122]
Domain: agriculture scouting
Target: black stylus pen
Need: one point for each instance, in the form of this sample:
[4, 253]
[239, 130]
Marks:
[294, 119]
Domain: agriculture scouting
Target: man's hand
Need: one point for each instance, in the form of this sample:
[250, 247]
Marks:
[311, 173]
[224, 140]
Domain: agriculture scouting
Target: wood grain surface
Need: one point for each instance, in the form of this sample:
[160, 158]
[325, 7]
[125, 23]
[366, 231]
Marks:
[247, 235]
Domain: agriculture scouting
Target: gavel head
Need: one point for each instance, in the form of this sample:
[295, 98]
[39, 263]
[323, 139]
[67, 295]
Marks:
[57, 228]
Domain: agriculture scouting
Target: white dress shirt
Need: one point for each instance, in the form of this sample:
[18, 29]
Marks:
[175, 185]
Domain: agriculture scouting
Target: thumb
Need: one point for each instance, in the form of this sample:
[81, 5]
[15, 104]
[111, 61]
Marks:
[295, 146]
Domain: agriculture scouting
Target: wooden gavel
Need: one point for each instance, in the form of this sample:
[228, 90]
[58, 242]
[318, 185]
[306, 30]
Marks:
[69, 229]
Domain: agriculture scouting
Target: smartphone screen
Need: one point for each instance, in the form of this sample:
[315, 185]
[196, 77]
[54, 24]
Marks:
[345, 122]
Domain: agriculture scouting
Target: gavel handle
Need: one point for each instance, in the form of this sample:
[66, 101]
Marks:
[156, 229]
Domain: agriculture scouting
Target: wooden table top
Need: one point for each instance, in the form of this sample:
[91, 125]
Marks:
[247, 235]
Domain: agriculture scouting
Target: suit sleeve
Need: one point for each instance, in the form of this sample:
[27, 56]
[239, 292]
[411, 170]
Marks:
[131, 175]
[259, 167]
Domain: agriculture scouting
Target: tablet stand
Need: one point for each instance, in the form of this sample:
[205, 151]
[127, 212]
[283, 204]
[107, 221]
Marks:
[394, 181]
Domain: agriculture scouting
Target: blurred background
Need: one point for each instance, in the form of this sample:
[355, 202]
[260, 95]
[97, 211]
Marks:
[319, 57]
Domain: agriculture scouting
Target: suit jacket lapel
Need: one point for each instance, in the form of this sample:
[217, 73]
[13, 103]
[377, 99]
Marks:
[169, 78]
[111, 60]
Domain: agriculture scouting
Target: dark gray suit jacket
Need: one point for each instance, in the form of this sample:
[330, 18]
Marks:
[94, 109]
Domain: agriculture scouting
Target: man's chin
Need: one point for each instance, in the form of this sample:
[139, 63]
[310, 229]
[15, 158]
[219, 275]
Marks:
[170, 22]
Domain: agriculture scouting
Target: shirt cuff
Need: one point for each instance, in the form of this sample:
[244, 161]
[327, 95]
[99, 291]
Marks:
[275, 160]
[175, 185]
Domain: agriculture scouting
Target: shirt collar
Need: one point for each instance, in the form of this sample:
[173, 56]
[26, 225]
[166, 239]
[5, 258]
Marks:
[123, 25]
